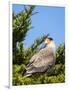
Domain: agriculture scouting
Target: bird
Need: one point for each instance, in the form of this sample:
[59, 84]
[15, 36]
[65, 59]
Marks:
[42, 60]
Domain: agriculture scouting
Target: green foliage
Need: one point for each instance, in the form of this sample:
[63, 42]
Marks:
[21, 56]
[21, 25]
[54, 75]
[60, 54]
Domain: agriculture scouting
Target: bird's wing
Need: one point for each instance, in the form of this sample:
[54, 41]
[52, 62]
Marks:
[31, 61]
[33, 58]
[44, 57]
[37, 55]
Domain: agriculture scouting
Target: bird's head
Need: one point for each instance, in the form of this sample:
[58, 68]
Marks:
[49, 42]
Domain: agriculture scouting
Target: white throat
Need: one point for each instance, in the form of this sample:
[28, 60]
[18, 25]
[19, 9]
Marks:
[52, 45]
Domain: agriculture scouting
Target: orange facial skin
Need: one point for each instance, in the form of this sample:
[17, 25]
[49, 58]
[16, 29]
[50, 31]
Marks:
[47, 41]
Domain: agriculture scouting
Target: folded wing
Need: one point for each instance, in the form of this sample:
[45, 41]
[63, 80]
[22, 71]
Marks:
[41, 61]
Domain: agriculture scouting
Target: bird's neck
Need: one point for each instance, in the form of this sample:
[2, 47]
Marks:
[52, 45]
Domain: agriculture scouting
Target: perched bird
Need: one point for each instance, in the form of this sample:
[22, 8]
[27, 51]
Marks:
[42, 60]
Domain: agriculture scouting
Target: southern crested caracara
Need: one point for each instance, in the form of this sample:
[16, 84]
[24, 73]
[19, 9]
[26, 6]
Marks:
[43, 60]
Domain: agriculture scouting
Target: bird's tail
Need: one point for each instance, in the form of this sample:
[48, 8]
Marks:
[27, 74]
